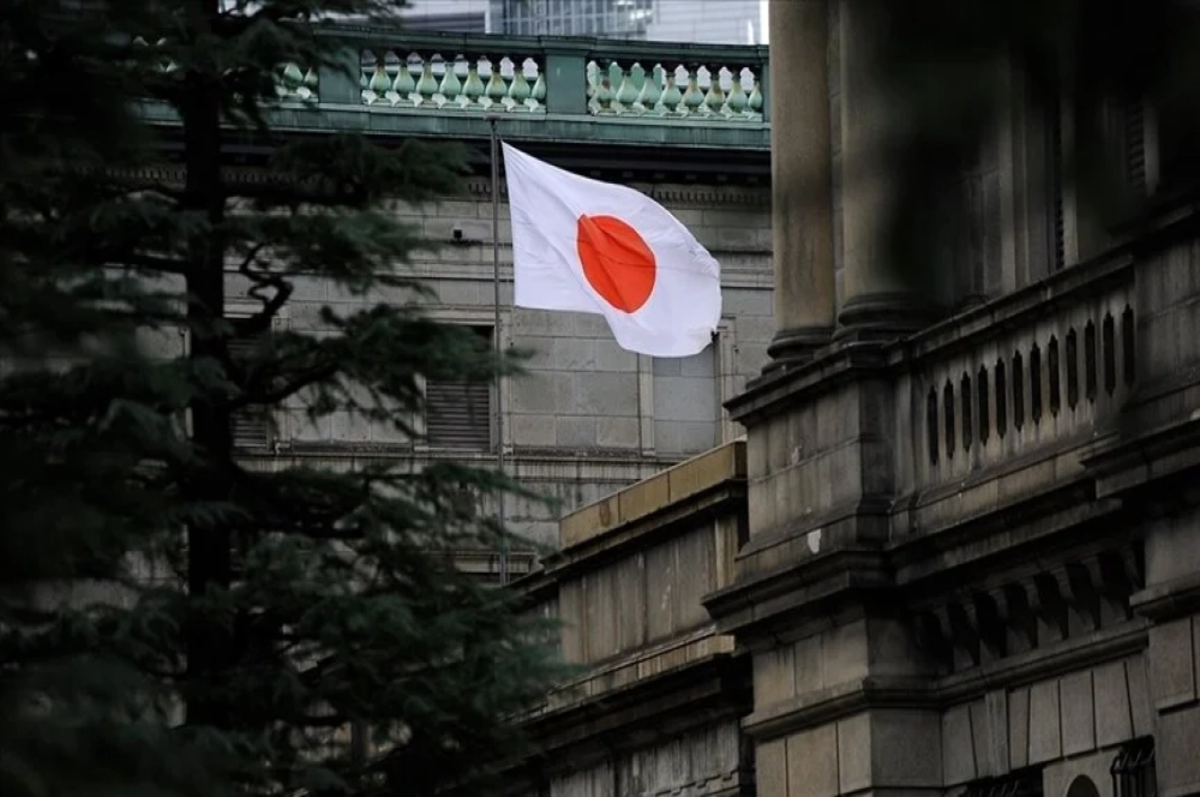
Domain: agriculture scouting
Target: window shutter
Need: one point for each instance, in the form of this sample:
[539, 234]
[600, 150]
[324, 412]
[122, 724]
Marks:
[1135, 146]
[459, 414]
[250, 426]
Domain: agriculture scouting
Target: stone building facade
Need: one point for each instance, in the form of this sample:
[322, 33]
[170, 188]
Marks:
[686, 124]
[968, 560]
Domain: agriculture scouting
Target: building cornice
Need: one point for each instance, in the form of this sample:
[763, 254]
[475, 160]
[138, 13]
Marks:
[669, 192]
[653, 708]
[937, 694]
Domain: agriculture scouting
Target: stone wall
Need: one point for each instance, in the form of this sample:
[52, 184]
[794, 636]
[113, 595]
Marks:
[589, 417]
[656, 709]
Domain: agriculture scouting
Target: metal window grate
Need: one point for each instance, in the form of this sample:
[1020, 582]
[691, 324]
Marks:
[1133, 770]
[1027, 783]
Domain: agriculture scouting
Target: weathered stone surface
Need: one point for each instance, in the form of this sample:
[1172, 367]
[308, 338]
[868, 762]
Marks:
[1114, 721]
[1172, 662]
[1078, 714]
[958, 746]
[771, 775]
[1045, 724]
[813, 763]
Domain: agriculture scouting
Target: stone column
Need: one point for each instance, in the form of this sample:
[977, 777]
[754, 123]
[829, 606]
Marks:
[801, 188]
[876, 304]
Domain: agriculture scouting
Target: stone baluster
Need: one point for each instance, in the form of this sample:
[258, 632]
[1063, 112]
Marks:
[627, 92]
[648, 97]
[714, 98]
[737, 101]
[519, 90]
[755, 100]
[538, 95]
[473, 88]
[672, 97]
[693, 97]
[496, 89]
[291, 80]
[450, 90]
[427, 86]
[604, 93]
[404, 86]
[380, 82]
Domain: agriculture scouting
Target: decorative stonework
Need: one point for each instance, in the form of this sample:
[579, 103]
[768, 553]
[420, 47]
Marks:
[980, 626]
[668, 194]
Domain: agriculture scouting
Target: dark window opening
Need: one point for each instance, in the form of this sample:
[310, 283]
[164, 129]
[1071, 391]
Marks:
[984, 419]
[1035, 384]
[948, 408]
[931, 422]
[1089, 360]
[1072, 369]
[250, 426]
[1001, 399]
[1128, 351]
[458, 414]
[965, 395]
[1018, 375]
[1054, 378]
[1110, 354]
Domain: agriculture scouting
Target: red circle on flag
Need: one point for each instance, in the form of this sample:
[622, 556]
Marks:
[617, 262]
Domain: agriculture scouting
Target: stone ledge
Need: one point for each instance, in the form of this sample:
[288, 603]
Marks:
[704, 691]
[642, 665]
[813, 585]
[1169, 600]
[653, 495]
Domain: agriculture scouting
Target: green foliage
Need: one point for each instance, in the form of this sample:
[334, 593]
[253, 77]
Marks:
[172, 620]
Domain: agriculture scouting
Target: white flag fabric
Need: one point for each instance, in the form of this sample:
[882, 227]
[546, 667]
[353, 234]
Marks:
[594, 247]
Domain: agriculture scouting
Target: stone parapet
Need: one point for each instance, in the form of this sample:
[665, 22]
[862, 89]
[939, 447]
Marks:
[660, 693]
[550, 89]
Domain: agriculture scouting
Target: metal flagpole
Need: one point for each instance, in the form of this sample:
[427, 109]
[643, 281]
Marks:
[496, 339]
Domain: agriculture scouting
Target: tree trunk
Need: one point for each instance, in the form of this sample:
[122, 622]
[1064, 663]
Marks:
[210, 651]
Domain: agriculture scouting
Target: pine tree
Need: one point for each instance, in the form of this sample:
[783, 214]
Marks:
[173, 621]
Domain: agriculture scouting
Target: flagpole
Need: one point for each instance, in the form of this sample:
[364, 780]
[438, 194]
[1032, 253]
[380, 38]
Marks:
[495, 142]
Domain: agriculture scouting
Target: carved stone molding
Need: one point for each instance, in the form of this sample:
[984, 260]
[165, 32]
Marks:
[974, 627]
[669, 193]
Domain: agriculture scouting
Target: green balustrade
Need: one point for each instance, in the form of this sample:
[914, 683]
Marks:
[561, 89]
[497, 75]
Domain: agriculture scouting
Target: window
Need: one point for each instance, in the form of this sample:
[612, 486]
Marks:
[459, 414]
[1022, 783]
[250, 426]
[1133, 770]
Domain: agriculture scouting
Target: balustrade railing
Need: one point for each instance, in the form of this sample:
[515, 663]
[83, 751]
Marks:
[419, 81]
[688, 90]
[1056, 374]
[454, 81]
[567, 76]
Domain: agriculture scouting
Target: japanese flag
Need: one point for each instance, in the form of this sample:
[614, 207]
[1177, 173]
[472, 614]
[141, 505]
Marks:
[593, 247]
